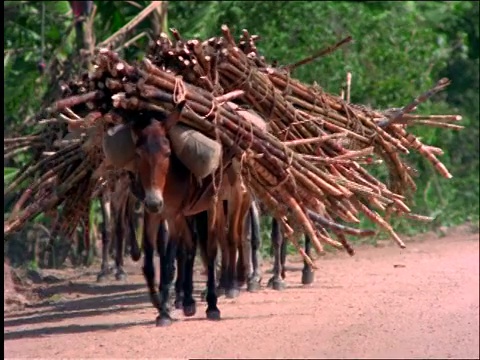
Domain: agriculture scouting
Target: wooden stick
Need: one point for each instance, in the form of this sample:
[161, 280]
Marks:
[440, 85]
[318, 54]
[124, 30]
[318, 139]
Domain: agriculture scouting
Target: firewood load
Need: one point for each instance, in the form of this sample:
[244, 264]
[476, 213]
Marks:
[303, 152]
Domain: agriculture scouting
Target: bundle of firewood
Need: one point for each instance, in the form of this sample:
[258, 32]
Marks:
[310, 161]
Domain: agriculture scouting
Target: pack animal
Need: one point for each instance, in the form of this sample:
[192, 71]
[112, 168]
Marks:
[234, 254]
[279, 248]
[118, 210]
[279, 245]
[243, 230]
[240, 260]
[252, 248]
[170, 192]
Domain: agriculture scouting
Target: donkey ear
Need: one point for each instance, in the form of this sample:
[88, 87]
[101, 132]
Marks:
[174, 117]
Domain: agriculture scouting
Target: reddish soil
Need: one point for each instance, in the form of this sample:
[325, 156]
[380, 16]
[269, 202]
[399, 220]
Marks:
[421, 302]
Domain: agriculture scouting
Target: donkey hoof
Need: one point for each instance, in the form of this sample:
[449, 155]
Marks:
[253, 286]
[308, 277]
[232, 293]
[163, 321]
[279, 285]
[178, 303]
[213, 314]
[276, 284]
[121, 276]
[135, 255]
[190, 309]
[101, 277]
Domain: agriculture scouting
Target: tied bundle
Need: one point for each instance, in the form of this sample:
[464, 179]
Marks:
[307, 168]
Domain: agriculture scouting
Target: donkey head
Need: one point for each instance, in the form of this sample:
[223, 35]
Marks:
[152, 157]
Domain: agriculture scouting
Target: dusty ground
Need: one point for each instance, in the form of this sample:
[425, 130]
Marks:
[421, 302]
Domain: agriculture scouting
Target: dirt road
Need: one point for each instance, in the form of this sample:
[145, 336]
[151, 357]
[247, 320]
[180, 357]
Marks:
[421, 302]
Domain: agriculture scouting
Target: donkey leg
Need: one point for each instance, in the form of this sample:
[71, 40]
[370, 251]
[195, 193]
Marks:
[276, 282]
[248, 249]
[189, 305]
[106, 236]
[222, 266]
[224, 276]
[253, 227]
[308, 276]
[120, 273]
[135, 252]
[244, 242]
[179, 283]
[104, 268]
[210, 249]
[167, 251]
[213, 313]
[283, 258]
[232, 290]
[243, 262]
[148, 265]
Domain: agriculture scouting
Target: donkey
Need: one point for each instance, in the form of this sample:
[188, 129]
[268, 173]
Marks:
[233, 269]
[171, 193]
[248, 264]
[118, 212]
[245, 269]
[252, 248]
[280, 254]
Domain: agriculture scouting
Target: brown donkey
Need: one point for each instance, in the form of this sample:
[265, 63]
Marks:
[234, 270]
[170, 192]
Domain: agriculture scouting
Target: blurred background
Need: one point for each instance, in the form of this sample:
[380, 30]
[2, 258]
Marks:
[400, 50]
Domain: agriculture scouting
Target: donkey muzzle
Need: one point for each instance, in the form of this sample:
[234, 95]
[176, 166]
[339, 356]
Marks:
[153, 201]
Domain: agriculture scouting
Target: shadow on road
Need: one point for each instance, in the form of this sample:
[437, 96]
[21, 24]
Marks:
[88, 289]
[93, 289]
[91, 306]
[68, 312]
[71, 329]
[51, 317]
[75, 329]
[103, 299]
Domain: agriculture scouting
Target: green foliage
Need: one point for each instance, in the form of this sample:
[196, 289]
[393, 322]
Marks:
[8, 174]
[24, 48]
